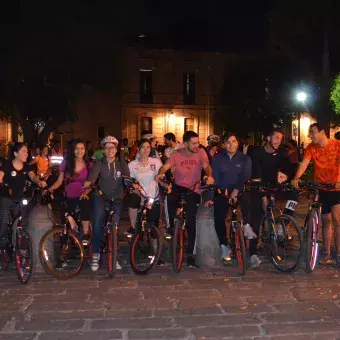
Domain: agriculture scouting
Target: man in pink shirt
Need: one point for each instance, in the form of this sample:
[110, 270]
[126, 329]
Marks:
[187, 164]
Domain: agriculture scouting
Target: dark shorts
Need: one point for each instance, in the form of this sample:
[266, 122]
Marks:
[133, 201]
[328, 199]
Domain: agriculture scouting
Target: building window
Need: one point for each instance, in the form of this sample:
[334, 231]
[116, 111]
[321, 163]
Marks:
[146, 125]
[100, 132]
[189, 124]
[188, 88]
[146, 86]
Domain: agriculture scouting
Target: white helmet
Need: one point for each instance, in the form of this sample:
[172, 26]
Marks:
[148, 136]
[109, 139]
[213, 138]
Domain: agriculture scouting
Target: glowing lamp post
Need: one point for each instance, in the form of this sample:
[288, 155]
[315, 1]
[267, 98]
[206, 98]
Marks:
[301, 98]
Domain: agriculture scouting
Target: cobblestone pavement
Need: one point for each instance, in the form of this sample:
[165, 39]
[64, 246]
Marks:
[195, 304]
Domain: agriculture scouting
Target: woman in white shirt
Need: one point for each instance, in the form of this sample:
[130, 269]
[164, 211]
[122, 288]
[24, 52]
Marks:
[144, 169]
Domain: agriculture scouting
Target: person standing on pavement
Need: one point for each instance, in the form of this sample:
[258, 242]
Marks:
[144, 169]
[231, 169]
[325, 154]
[108, 171]
[74, 171]
[271, 165]
[187, 163]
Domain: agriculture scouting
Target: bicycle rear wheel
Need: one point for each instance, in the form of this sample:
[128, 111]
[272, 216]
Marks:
[24, 256]
[61, 255]
[145, 250]
[240, 247]
[112, 251]
[178, 247]
[312, 240]
[286, 244]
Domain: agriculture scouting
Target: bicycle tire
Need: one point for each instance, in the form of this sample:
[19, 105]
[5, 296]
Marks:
[112, 251]
[133, 247]
[311, 243]
[4, 260]
[49, 269]
[241, 252]
[27, 280]
[298, 231]
[177, 241]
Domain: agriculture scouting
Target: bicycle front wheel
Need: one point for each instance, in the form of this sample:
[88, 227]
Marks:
[145, 250]
[112, 251]
[178, 247]
[24, 256]
[61, 255]
[286, 244]
[241, 252]
[312, 240]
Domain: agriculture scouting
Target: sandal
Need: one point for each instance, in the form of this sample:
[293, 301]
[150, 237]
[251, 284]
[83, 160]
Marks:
[327, 260]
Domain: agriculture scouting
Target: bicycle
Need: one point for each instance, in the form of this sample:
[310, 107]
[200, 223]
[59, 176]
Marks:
[237, 241]
[281, 232]
[146, 245]
[60, 250]
[179, 237]
[19, 244]
[110, 245]
[313, 221]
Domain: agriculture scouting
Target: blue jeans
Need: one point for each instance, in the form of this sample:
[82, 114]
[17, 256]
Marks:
[98, 212]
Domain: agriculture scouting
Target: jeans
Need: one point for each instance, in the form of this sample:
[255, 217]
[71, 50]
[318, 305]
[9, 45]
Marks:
[190, 208]
[98, 211]
[257, 212]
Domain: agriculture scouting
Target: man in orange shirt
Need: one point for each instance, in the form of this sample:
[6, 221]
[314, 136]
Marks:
[326, 157]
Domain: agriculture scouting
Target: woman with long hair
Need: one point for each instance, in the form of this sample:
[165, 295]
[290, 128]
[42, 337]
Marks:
[144, 169]
[14, 172]
[74, 172]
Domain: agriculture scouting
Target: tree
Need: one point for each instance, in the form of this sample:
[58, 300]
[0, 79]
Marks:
[335, 94]
[54, 50]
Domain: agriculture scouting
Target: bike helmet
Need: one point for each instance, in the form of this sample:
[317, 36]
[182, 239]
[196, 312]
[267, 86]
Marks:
[109, 139]
[213, 138]
[148, 136]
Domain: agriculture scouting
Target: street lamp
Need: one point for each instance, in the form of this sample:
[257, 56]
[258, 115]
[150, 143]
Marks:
[301, 98]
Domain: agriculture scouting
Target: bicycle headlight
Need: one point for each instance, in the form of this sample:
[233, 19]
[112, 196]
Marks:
[150, 202]
[24, 202]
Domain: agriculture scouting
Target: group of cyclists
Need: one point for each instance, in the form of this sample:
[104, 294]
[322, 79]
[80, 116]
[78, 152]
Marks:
[224, 164]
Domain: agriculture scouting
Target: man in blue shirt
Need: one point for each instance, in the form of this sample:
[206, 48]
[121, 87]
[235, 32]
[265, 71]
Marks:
[231, 168]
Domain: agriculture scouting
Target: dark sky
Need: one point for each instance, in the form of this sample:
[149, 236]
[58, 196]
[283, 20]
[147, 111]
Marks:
[224, 25]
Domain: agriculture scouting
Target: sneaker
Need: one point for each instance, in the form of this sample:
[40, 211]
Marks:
[95, 262]
[249, 232]
[280, 231]
[168, 233]
[161, 263]
[225, 252]
[254, 261]
[118, 266]
[191, 262]
[130, 232]
[85, 240]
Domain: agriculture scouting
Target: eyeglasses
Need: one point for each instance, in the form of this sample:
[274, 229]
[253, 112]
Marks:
[112, 148]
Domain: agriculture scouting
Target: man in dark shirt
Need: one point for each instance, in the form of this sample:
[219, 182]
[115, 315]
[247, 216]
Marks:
[270, 164]
[231, 168]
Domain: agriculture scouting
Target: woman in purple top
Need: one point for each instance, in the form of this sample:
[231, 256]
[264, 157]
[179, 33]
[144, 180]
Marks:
[74, 172]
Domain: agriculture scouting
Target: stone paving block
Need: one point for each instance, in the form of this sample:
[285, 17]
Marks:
[158, 334]
[98, 335]
[224, 332]
[126, 314]
[328, 308]
[52, 325]
[21, 336]
[209, 302]
[131, 323]
[306, 327]
[191, 311]
[216, 320]
[295, 317]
